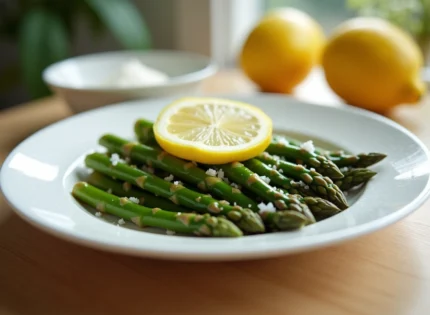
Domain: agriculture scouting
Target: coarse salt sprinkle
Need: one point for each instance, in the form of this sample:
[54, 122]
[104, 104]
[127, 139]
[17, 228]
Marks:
[265, 179]
[308, 146]
[169, 178]
[134, 200]
[115, 159]
[266, 207]
[211, 172]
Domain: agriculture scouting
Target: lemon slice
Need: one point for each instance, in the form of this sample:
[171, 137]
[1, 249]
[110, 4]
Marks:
[213, 131]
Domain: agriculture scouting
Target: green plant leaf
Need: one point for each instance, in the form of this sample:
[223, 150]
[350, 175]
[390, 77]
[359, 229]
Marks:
[43, 40]
[122, 18]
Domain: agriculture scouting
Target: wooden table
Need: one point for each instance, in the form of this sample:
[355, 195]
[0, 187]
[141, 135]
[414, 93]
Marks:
[387, 272]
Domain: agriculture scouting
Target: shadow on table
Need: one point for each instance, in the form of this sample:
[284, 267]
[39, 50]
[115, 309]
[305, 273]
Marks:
[40, 274]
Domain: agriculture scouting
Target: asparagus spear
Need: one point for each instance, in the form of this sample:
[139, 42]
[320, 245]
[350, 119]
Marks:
[246, 177]
[126, 190]
[189, 223]
[278, 179]
[247, 220]
[361, 160]
[238, 173]
[342, 159]
[295, 154]
[321, 208]
[284, 220]
[323, 186]
[187, 171]
[354, 177]
[144, 131]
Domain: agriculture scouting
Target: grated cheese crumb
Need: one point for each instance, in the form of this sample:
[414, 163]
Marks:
[220, 174]
[265, 179]
[169, 178]
[177, 182]
[226, 180]
[121, 221]
[266, 207]
[169, 232]
[344, 169]
[281, 170]
[115, 159]
[283, 141]
[98, 214]
[211, 172]
[312, 169]
[308, 146]
[134, 200]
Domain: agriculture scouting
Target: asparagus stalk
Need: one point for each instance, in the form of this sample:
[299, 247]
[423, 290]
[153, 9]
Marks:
[322, 186]
[295, 154]
[361, 160]
[126, 190]
[247, 220]
[186, 171]
[321, 208]
[284, 220]
[278, 179]
[238, 173]
[245, 176]
[144, 131]
[354, 177]
[342, 159]
[189, 223]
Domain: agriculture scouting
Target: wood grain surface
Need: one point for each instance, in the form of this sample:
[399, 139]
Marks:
[387, 272]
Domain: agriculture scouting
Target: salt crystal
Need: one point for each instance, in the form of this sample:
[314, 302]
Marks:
[308, 146]
[266, 207]
[134, 200]
[169, 178]
[211, 172]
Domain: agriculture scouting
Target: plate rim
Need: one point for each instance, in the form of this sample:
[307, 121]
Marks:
[330, 238]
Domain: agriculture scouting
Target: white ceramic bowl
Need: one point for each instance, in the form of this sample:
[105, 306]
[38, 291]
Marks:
[81, 80]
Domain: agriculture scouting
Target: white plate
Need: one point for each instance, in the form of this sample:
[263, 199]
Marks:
[38, 175]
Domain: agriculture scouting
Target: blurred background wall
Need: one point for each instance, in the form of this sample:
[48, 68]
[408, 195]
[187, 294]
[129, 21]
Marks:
[210, 27]
[160, 17]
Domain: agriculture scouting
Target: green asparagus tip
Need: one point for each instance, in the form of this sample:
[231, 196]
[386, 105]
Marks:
[355, 177]
[286, 220]
[369, 174]
[366, 160]
[250, 221]
[225, 228]
[333, 171]
[321, 208]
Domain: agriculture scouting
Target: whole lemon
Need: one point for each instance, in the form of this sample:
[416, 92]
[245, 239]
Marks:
[282, 49]
[373, 64]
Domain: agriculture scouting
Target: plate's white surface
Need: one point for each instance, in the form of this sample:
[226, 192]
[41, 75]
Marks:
[38, 175]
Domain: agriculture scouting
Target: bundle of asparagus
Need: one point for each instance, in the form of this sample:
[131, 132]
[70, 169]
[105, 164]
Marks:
[215, 200]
